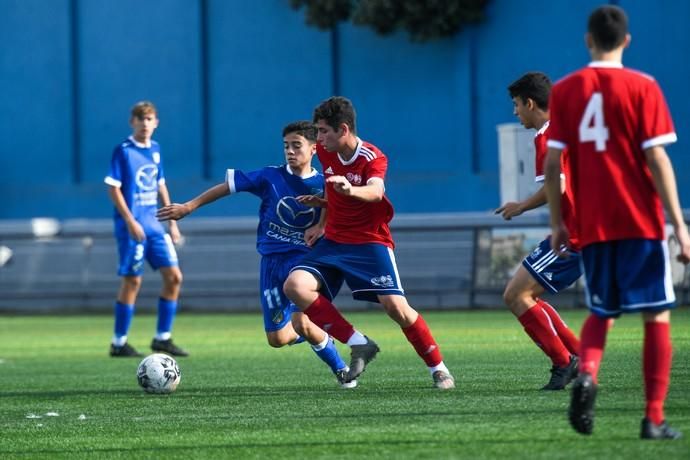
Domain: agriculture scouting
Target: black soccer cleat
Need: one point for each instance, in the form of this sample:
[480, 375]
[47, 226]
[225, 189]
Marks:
[167, 346]
[651, 430]
[581, 412]
[124, 351]
[562, 376]
[360, 356]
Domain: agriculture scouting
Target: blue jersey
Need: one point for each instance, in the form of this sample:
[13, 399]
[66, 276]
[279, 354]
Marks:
[138, 171]
[282, 220]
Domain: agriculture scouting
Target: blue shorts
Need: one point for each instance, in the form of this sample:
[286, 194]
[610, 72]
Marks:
[628, 276]
[552, 272]
[277, 308]
[369, 269]
[157, 249]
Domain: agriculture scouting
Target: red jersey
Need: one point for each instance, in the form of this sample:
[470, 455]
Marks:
[607, 116]
[567, 202]
[350, 220]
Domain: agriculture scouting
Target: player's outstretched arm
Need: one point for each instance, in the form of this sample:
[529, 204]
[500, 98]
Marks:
[665, 183]
[313, 201]
[515, 208]
[178, 211]
[164, 197]
[552, 187]
[371, 192]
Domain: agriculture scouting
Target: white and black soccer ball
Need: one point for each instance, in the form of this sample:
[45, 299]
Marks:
[158, 373]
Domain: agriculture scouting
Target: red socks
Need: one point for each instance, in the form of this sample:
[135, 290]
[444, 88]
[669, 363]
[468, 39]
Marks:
[324, 314]
[419, 335]
[656, 366]
[540, 328]
[568, 337]
[592, 342]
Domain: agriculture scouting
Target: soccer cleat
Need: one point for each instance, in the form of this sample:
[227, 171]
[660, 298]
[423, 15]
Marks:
[341, 375]
[167, 346]
[360, 356]
[124, 351]
[561, 376]
[651, 430]
[443, 380]
[581, 412]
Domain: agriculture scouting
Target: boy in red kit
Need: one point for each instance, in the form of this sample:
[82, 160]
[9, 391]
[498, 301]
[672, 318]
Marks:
[615, 123]
[357, 246]
[542, 270]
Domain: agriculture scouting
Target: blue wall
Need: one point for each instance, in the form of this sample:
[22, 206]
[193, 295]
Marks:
[227, 75]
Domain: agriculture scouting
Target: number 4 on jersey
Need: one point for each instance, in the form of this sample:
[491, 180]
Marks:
[592, 127]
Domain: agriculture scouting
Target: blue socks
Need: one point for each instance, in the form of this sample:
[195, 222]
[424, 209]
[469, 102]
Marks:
[166, 316]
[123, 319]
[329, 354]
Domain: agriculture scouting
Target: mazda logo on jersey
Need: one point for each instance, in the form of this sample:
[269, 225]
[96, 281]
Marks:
[294, 214]
[146, 177]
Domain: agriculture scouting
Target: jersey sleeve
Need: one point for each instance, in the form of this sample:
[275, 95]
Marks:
[656, 123]
[539, 157]
[557, 136]
[240, 181]
[377, 168]
[117, 167]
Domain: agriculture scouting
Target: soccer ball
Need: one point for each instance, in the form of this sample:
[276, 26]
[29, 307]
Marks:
[158, 373]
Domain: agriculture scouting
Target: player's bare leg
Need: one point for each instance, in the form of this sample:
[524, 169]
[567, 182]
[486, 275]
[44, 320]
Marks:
[302, 287]
[542, 325]
[124, 312]
[167, 310]
[418, 334]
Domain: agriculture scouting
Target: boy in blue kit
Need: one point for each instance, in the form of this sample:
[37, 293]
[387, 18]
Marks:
[136, 183]
[280, 237]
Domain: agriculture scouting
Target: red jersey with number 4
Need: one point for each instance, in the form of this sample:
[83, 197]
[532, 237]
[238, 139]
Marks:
[606, 116]
[348, 219]
[567, 203]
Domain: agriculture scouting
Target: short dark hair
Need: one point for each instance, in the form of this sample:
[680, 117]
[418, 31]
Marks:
[532, 85]
[335, 111]
[608, 26]
[143, 108]
[303, 128]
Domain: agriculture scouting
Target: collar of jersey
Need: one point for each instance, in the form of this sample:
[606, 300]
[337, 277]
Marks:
[354, 157]
[543, 128]
[139, 144]
[606, 64]
[312, 173]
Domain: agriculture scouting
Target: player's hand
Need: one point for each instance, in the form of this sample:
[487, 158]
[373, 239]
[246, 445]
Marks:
[684, 243]
[510, 210]
[313, 201]
[173, 211]
[136, 231]
[313, 234]
[559, 240]
[340, 184]
[174, 230]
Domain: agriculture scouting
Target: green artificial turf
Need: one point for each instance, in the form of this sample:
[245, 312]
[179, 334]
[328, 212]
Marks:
[240, 398]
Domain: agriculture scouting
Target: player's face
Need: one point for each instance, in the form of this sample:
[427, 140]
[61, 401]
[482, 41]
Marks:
[298, 151]
[523, 112]
[144, 126]
[330, 138]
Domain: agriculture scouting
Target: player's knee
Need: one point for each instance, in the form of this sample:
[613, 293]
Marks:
[173, 278]
[292, 287]
[132, 283]
[509, 296]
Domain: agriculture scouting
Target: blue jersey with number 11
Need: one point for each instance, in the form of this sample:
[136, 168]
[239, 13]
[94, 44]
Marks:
[282, 220]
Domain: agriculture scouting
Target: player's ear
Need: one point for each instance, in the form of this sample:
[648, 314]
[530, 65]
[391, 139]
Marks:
[628, 39]
[589, 41]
